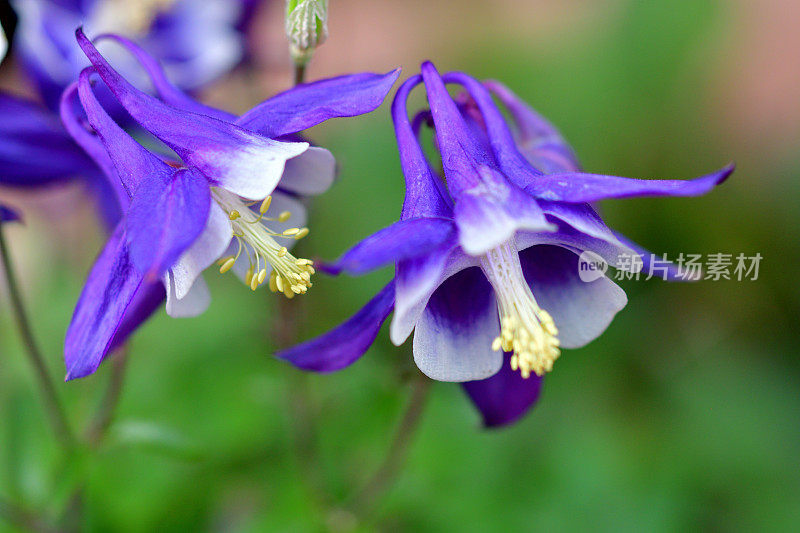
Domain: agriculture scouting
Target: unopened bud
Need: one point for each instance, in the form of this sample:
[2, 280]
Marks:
[306, 27]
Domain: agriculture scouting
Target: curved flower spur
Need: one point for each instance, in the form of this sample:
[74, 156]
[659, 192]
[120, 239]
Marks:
[486, 256]
[231, 195]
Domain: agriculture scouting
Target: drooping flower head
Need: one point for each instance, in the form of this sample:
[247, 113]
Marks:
[228, 192]
[486, 253]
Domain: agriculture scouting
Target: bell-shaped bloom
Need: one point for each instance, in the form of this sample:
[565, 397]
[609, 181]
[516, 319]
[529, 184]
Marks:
[198, 40]
[228, 192]
[487, 254]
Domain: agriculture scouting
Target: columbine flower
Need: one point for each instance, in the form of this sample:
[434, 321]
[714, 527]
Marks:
[231, 197]
[199, 40]
[487, 258]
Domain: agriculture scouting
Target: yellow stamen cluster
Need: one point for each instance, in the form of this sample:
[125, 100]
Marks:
[526, 330]
[533, 342]
[289, 275]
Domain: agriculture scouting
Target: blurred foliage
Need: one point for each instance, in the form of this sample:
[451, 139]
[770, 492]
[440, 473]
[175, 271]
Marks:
[684, 415]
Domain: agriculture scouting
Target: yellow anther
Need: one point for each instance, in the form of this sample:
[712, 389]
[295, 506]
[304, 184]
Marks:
[273, 286]
[265, 205]
[526, 330]
[283, 217]
[302, 233]
[227, 264]
[289, 275]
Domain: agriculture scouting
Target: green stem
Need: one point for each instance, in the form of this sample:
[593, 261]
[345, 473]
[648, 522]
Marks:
[363, 502]
[55, 411]
[104, 416]
[299, 73]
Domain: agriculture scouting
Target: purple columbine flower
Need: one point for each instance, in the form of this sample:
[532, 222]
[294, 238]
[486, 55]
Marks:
[486, 256]
[231, 197]
[198, 40]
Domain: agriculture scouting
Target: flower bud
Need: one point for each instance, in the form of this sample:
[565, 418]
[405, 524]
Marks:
[306, 27]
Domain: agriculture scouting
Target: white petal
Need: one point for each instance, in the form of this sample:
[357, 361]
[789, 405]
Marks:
[312, 172]
[193, 304]
[208, 248]
[453, 338]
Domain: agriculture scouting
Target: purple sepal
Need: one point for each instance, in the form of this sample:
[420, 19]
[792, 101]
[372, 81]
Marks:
[579, 187]
[402, 240]
[344, 344]
[166, 216]
[111, 290]
[232, 157]
[425, 192]
[168, 92]
[537, 139]
[312, 103]
[130, 161]
[505, 397]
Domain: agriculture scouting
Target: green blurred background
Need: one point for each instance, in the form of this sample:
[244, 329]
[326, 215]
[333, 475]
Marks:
[685, 414]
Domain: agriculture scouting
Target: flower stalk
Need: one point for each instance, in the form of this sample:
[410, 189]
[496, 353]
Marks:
[55, 410]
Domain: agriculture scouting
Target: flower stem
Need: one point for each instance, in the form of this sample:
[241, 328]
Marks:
[383, 479]
[299, 73]
[108, 405]
[55, 411]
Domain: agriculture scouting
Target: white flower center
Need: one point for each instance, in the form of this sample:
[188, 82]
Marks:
[131, 17]
[289, 274]
[526, 330]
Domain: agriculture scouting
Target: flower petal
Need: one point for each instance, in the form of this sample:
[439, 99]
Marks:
[402, 240]
[503, 145]
[166, 216]
[168, 92]
[453, 339]
[239, 160]
[131, 161]
[209, 246]
[577, 187]
[415, 281]
[309, 104]
[193, 304]
[107, 309]
[581, 310]
[34, 148]
[538, 140]
[310, 173]
[344, 344]
[505, 397]
[489, 208]
[425, 192]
